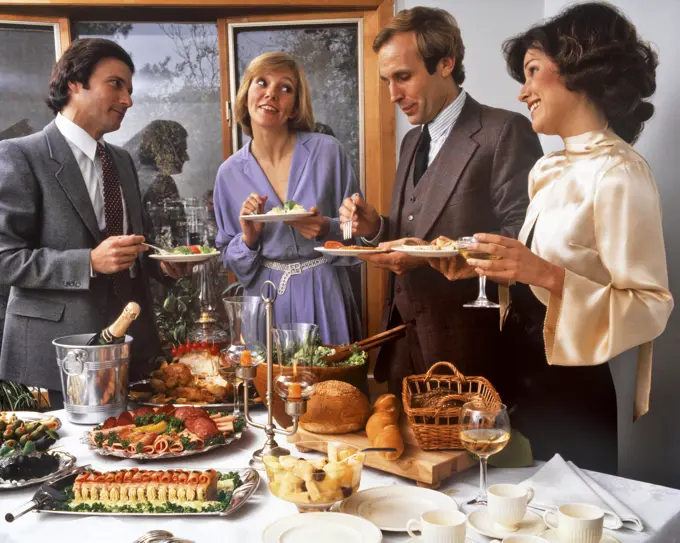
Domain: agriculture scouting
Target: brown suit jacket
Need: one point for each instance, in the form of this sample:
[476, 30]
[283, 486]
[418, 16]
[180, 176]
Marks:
[476, 183]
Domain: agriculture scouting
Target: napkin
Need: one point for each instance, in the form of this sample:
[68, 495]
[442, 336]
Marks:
[559, 482]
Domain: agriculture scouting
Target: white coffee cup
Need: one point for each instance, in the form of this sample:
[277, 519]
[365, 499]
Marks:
[439, 526]
[521, 539]
[507, 504]
[577, 523]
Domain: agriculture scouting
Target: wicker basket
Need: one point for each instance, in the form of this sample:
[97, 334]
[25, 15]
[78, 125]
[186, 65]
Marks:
[427, 403]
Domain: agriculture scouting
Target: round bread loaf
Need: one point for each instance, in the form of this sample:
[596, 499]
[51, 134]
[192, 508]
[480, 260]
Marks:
[335, 407]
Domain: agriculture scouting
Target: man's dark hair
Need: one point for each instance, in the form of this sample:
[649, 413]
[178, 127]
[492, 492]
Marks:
[77, 64]
[597, 51]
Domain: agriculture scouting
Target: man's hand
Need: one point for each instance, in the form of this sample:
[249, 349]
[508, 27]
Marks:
[254, 205]
[394, 261]
[313, 227]
[116, 253]
[176, 270]
[453, 268]
[364, 217]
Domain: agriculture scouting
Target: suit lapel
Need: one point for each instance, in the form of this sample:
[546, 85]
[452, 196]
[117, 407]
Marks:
[405, 159]
[448, 166]
[129, 184]
[68, 175]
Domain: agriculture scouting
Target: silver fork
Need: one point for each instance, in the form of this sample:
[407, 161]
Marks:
[347, 225]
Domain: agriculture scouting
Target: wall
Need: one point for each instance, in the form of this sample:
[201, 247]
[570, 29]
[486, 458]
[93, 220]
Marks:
[650, 450]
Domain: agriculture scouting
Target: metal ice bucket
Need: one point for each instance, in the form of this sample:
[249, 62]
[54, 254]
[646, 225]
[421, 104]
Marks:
[94, 379]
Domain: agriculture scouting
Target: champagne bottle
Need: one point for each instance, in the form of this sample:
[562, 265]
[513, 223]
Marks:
[116, 332]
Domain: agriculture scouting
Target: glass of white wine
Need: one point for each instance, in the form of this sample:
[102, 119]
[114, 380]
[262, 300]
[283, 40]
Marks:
[484, 430]
[463, 245]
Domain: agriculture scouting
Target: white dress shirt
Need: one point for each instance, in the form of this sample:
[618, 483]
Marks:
[440, 128]
[84, 149]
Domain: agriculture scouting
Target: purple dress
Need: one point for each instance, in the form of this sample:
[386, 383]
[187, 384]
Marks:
[320, 175]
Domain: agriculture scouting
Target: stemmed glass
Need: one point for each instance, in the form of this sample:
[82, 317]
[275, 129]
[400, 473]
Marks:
[484, 430]
[463, 248]
[247, 332]
[295, 344]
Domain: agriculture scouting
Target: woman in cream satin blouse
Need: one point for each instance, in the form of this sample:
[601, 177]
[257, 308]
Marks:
[591, 248]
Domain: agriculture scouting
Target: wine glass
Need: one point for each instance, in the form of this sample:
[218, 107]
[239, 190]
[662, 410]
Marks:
[484, 430]
[463, 248]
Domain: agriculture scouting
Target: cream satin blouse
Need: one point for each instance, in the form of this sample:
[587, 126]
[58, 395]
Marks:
[596, 211]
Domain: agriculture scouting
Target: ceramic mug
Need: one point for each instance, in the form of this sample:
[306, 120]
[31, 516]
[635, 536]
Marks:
[577, 523]
[521, 539]
[439, 526]
[507, 504]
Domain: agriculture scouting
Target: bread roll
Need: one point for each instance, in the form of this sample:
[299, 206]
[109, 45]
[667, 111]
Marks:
[390, 437]
[387, 402]
[335, 407]
[382, 427]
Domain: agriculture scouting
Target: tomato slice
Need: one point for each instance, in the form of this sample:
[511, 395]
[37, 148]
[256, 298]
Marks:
[195, 249]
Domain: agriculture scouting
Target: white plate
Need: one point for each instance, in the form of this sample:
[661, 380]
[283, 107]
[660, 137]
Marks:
[31, 416]
[277, 217]
[425, 251]
[551, 536]
[315, 527]
[391, 507]
[350, 252]
[185, 258]
[481, 522]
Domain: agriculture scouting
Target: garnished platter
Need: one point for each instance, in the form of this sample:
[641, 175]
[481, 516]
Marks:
[141, 393]
[167, 432]
[64, 462]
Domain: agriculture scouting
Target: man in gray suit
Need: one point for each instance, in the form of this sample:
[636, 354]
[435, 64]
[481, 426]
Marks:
[71, 223]
[463, 170]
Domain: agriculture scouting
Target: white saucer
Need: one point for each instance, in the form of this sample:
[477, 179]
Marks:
[481, 522]
[335, 527]
[351, 252]
[425, 251]
[195, 258]
[390, 507]
[551, 536]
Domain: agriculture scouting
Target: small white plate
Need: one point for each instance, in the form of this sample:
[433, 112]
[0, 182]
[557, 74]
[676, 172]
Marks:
[552, 536]
[185, 258]
[425, 251]
[277, 217]
[391, 507]
[32, 416]
[481, 522]
[351, 252]
[314, 527]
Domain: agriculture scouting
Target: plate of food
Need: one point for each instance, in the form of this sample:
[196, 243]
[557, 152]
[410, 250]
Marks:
[142, 393]
[166, 432]
[20, 470]
[175, 492]
[335, 248]
[289, 212]
[187, 253]
[22, 432]
[442, 247]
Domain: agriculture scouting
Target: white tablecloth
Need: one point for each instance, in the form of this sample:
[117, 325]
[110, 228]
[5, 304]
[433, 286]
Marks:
[655, 505]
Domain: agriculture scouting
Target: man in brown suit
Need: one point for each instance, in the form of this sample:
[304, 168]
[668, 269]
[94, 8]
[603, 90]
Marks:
[464, 170]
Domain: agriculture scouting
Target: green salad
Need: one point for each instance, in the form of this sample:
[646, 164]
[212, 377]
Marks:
[289, 207]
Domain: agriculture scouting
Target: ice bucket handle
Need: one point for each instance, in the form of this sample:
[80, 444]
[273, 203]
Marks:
[74, 362]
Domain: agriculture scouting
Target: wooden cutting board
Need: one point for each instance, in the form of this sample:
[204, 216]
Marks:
[427, 468]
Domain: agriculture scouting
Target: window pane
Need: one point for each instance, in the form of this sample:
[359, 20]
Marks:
[28, 54]
[177, 79]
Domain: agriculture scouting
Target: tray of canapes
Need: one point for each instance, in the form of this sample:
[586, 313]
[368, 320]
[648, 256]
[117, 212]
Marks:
[134, 492]
[166, 432]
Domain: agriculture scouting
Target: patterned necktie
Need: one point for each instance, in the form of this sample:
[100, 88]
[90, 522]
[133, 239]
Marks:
[113, 213]
[422, 155]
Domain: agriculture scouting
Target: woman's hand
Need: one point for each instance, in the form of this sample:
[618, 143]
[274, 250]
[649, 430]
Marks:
[516, 262]
[252, 230]
[313, 227]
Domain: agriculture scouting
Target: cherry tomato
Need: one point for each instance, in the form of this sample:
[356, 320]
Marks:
[181, 350]
[205, 345]
[214, 349]
[173, 351]
[195, 346]
[195, 249]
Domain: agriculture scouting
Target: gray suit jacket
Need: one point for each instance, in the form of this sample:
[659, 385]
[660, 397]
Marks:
[47, 229]
[478, 182]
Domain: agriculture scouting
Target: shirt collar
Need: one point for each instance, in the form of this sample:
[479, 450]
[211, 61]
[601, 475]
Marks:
[446, 118]
[77, 136]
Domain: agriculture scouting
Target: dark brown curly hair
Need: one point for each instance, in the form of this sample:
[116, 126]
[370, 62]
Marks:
[597, 51]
